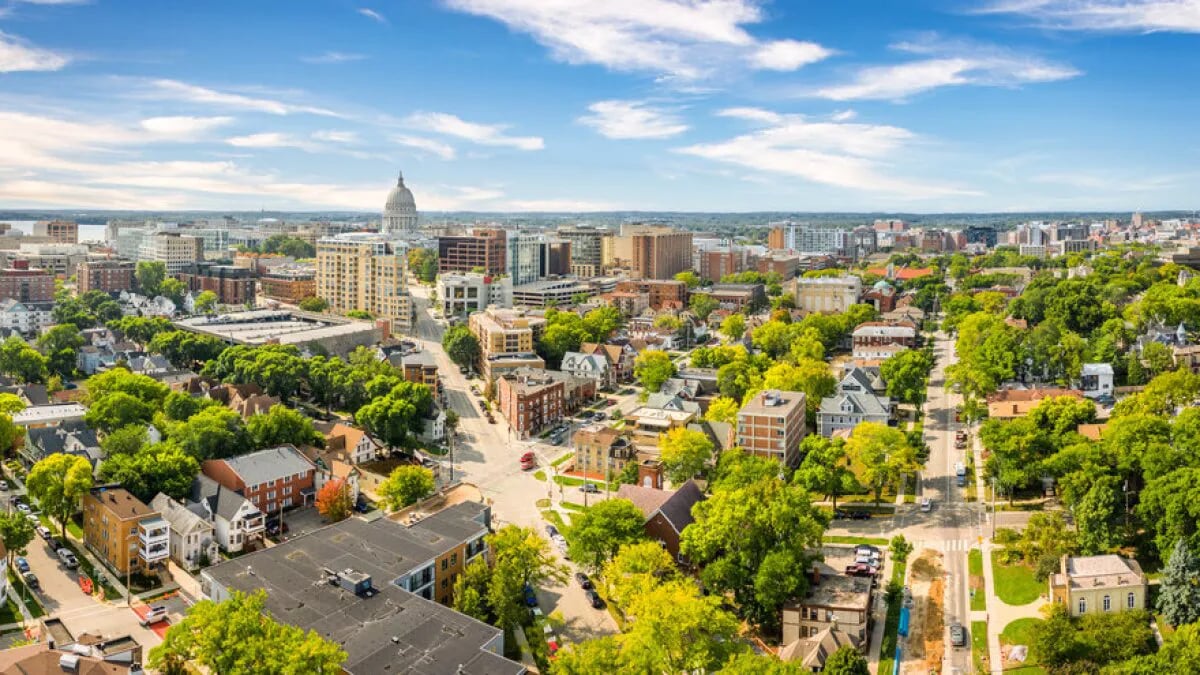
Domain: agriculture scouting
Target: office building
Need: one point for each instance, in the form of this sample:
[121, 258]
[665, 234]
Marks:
[232, 285]
[771, 425]
[58, 231]
[810, 239]
[782, 237]
[26, 284]
[588, 249]
[366, 272]
[289, 283]
[400, 210]
[462, 294]
[111, 275]
[123, 531]
[551, 292]
[660, 294]
[830, 295]
[660, 252]
[483, 250]
[173, 249]
[60, 260]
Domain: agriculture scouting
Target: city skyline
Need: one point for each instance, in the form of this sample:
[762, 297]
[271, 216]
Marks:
[526, 105]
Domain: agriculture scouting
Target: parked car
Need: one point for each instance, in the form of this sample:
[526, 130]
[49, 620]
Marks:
[859, 515]
[860, 570]
[590, 488]
[926, 505]
[362, 505]
[156, 614]
[43, 531]
[53, 543]
[584, 582]
[530, 596]
[4, 485]
[31, 580]
[23, 507]
[610, 402]
[586, 415]
[33, 519]
[68, 558]
[600, 416]
[958, 636]
[273, 528]
[528, 461]
[594, 598]
[551, 531]
[22, 565]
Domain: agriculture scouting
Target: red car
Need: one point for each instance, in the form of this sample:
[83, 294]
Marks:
[860, 570]
[528, 461]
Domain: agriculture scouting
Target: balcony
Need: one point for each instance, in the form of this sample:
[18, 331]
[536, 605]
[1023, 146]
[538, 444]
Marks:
[154, 540]
[254, 523]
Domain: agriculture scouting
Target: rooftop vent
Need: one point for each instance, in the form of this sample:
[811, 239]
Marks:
[358, 583]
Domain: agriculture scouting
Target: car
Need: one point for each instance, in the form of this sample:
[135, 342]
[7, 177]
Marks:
[362, 505]
[528, 461]
[926, 505]
[551, 531]
[958, 636]
[530, 596]
[462, 370]
[859, 515]
[23, 507]
[43, 532]
[537, 614]
[53, 543]
[273, 528]
[839, 514]
[584, 582]
[594, 598]
[68, 558]
[610, 402]
[551, 648]
[600, 416]
[22, 565]
[31, 580]
[156, 614]
[4, 485]
[860, 570]
[590, 488]
[33, 519]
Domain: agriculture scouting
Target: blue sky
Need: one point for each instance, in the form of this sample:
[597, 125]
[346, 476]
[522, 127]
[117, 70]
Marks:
[575, 105]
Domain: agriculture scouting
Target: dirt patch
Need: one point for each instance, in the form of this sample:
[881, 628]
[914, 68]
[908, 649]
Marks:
[925, 644]
[932, 625]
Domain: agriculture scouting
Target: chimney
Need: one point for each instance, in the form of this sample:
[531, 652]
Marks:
[816, 576]
[1062, 565]
[650, 474]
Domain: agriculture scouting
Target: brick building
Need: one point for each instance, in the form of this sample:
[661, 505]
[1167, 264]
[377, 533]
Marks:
[482, 249]
[667, 512]
[233, 285]
[716, 263]
[26, 284]
[58, 231]
[289, 284]
[660, 293]
[660, 252]
[530, 400]
[772, 425]
[123, 531]
[111, 275]
[272, 479]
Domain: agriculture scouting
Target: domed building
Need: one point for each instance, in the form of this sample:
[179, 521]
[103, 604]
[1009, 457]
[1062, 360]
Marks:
[400, 212]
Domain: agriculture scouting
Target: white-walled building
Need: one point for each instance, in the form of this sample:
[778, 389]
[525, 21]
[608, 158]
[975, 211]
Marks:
[462, 294]
[826, 294]
[173, 249]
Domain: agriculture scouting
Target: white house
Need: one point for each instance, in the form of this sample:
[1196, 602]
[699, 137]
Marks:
[1096, 380]
[588, 367]
[356, 443]
[27, 318]
[434, 428]
[193, 537]
[235, 519]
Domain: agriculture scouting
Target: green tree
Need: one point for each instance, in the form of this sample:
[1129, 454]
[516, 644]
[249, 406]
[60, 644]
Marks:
[471, 588]
[906, 375]
[1180, 652]
[288, 245]
[240, 636]
[601, 323]
[57, 483]
[146, 389]
[653, 368]
[1097, 516]
[19, 360]
[313, 304]
[163, 467]
[598, 533]
[359, 314]
[807, 375]
[883, 453]
[16, 531]
[405, 486]
[899, 548]
[688, 277]
[634, 570]
[736, 379]
[846, 661]
[60, 345]
[749, 663]
[179, 406]
[703, 304]
[722, 409]
[117, 410]
[212, 433]
[684, 453]
[281, 425]
[734, 327]
[676, 629]
[1179, 592]
[140, 329]
[173, 290]
[461, 346]
[396, 418]
[520, 557]
[206, 302]
[124, 441]
[150, 276]
[596, 655]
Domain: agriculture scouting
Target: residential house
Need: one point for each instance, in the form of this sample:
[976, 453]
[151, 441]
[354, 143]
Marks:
[356, 443]
[1096, 380]
[883, 352]
[667, 512]
[193, 537]
[26, 318]
[237, 522]
[421, 368]
[854, 402]
[833, 600]
[71, 438]
[125, 533]
[875, 333]
[332, 465]
[620, 358]
[1188, 357]
[811, 653]
[1099, 584]
[1013, 403]
[273, 479]
[658, 415]
[593, 367]
[433, 426]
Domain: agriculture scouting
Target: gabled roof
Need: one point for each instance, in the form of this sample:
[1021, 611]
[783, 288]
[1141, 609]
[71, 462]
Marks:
[258, 467]
[577, 361]
[221, 501]
[182, 519]
[861, 404]
[812, 652]
[674, 505]
[45, 441]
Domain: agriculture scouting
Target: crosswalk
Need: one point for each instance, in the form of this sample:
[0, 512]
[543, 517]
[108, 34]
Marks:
[947, 545]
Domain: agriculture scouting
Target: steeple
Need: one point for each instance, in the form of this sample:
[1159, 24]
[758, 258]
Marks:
[399, 179]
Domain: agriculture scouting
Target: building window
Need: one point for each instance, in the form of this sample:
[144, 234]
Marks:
[1107, 603]
[445, 564]
[1130, 601]
[1083, 605]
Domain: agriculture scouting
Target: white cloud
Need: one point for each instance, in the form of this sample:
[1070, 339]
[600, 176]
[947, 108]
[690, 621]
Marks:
[175, 90]
[948, 64]
[788, 55]
[333, 136]
[483, 134]
[434, 147]
[18, 55]
[183, 127]
[842, 154]
[1177, 16]
[632, 119]
[843, 116]
[684, 39]
[263, 140]
[333, 57]
[372, 15]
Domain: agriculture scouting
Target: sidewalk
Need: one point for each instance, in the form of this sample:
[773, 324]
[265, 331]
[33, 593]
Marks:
[1000, 614]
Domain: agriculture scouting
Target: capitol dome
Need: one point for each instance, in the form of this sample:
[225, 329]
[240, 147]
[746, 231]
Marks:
[400, 211]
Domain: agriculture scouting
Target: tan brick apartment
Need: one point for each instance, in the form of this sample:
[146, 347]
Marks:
[1098, 584]
[58, 231]
[289, 284]
[123, 531]
[660, 252]
[272, 479]
[506, 340]
[603, 450]
[772, 425]
[482, 249]
[111, 275]
[365, 272]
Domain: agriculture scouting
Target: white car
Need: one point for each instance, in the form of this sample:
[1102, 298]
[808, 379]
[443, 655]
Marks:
[926, 505]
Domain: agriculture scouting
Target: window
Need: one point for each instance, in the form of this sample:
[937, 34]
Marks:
[454, 558]
[445, 563]
[1107, 603]
[1083, 605]
[1130, 601]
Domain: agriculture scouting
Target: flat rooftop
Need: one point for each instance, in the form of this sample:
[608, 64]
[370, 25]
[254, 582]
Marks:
[44, 414]
[258, 327]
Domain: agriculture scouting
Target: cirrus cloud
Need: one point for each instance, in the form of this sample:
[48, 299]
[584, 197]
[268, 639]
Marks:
[17, 55]
[1143, 16]
[632, 119]
[483, 134]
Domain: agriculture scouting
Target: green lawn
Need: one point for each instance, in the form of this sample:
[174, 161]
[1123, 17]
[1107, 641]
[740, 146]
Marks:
[1015, 584]
[839, 539]
[555, 518]
[10, 613]
[975, 569]
[1020, 632]
[31, 601]
[573, 506]
[540, 475]
[887, 655]
[571, 481]
[564, 458]
[979, 645]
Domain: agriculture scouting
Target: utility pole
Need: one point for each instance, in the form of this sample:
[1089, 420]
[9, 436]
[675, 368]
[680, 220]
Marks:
[993, 507]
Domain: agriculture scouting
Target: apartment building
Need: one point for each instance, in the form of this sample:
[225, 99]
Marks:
[591, 249]
[272, 479]
[60, 260]
[111, 275]
[713, 264]
[462, 294]
[530, 400]
[737, 297]
[26, 284]
[506, 335]
[124, 532]
[772, 425]
[660, 252]
[366, 272]
[176, 251]
[58, 231]
[826, 295]
[876, 333]
[601, 449]
[833, 600]
[660, 294]
[482, 249]
[289, 284]
[232, 285]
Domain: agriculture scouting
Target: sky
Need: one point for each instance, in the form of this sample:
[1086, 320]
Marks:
[588, 105]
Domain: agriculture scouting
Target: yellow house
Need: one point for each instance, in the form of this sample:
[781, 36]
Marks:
[1099, 583]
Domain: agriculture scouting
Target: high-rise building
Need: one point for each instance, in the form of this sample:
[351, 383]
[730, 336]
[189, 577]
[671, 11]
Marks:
[588, 247]
[715, 263]
[782, 236]
[26, 284]
[111, 275]
[174, 250]
[289, 283]
[524, 257]
[400, 211]
[482, 250]
[660, 252]
[771, 425]
[365, 272]
[810, 239]
[462, 294]
[232, 285]
[59, 231]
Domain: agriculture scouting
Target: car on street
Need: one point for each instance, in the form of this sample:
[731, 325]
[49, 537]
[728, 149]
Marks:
[858, 515]
[530, 596]
[610, 402]
[68, 558]
[600, 416]
[528, 461]
[590, 488]
[31, 580]
[551, 531]
[156, 614]
[594, 598]
[22, 565]
[584, 582]
[23, 507]
[43, 532]
[958, 636]
[33, 519]
[4, 485]
[926, 505]
[53, 544]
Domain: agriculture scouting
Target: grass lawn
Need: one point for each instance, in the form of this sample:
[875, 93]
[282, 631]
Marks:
[573, 506]
[555, 518]
[9, 613]
[31, 601]
[975, 569]
[874, 541]
[1015, 584]
[540, 475]
[564, 458]
[891, 625]
[979, 645]
[1020, 632]
[573, 481]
